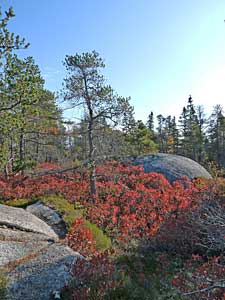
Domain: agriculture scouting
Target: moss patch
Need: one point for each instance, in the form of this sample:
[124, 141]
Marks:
[69, 213]
[102, 241]
[22, 203]
[61, 205]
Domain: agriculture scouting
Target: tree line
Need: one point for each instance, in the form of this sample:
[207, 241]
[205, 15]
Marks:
[33, 128]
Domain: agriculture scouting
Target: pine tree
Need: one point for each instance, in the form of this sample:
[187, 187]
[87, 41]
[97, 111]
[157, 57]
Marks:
[216, 136]
[8, 43]
[85, 87]
[161, 133]
[150, 122]
[140, 140]
[191, 133]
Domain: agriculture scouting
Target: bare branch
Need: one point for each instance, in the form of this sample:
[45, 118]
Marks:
[212, 287]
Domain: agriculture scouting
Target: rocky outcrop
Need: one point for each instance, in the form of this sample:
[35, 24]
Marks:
[12, 251]
[12, 234]
[37, 265]
[50, 216]
[42, 276]
[172, 166]
[19, 218]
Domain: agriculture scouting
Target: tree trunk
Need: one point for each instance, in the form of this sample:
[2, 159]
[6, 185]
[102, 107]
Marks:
[37, 148]
[21, 154]
[21, 151]
[92, 177]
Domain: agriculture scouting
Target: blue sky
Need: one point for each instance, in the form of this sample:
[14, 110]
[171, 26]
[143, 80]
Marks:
[158, 52]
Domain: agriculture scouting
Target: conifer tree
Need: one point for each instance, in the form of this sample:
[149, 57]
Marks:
[216, 136]
[85, 87]
[150, 122]
[8, 43]
[140, 140]
[161, 133]
[175, 136]
[191, 133]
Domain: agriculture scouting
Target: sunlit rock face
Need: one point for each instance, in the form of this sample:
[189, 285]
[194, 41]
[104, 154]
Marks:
[172, 166]
[50, 216]
[36, 262]
[23, 220]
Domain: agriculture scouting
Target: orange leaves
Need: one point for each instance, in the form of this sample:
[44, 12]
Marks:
[80, 238]
[131, 204]
[135, 202]
[52, 130]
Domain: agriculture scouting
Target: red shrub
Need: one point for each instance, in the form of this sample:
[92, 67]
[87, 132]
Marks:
[132, 204]
[202, 279]
[129, 204]
[81, 239]
[91, 278]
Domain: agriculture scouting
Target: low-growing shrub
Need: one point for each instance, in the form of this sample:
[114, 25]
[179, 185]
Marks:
[3, 286]
[80, 238]
[92, 278]
[202, 278]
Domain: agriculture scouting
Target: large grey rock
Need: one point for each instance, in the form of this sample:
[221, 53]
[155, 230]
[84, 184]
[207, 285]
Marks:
[12, 234]
[36, 264]
[50, 216]
[40, 277]
[12, 251]
[23, 220]
[172, 166]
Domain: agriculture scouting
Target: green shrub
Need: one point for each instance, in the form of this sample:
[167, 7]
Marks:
[3, 286]
[70, 213]
[142, 278]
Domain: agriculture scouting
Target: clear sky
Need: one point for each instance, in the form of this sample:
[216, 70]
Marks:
[156, 51]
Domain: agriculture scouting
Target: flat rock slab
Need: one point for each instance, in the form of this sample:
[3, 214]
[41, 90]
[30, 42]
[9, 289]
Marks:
[50, 216]
[172, 166]
[35, 263]
[12, 251]
[16, 235]
[41, 276]
[23, 220]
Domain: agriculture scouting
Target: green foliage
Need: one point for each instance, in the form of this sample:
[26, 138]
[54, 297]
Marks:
[27, 110]
[140, 139]
[8, 40]
[102, 241]
[3, 152]
[70, 214]
[22, 203]
[142, 278]
[192, 133]
[62, 206]
[167, 134]
[215, 143]
[3, 286]
[85, 87]
[8, 43]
